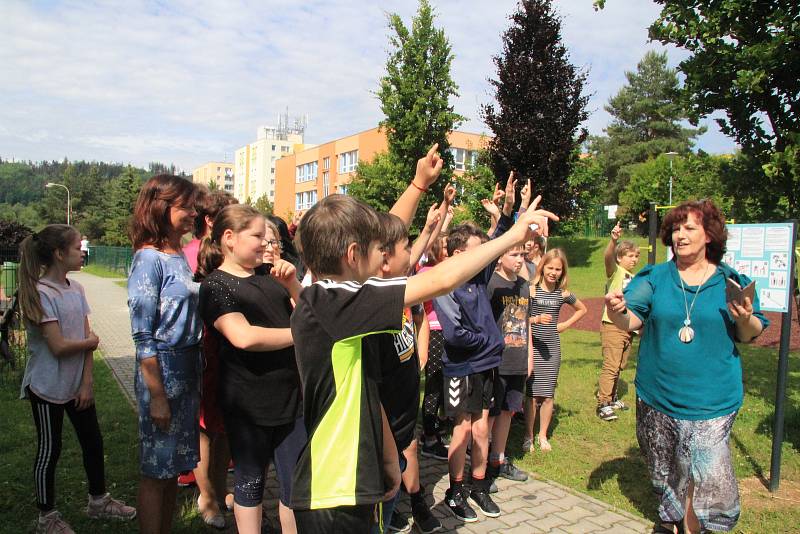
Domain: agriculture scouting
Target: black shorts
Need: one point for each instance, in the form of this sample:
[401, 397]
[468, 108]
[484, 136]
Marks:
[509, 394]
[470, 394]
[340, 520]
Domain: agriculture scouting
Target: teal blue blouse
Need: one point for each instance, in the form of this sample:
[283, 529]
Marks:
[697, 380]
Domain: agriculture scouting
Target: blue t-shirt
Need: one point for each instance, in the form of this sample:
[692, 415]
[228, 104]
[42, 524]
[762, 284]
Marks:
[697, 380]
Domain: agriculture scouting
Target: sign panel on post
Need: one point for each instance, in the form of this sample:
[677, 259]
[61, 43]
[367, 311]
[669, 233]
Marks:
[763, 252]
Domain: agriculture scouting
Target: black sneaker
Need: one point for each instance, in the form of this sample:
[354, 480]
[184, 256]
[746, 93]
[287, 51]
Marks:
[509, 470]
[458, 505]
[398, 523]
[436, 450]
[424, 519]
[485, 503]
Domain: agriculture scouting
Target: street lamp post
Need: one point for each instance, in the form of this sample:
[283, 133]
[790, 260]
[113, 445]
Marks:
[671, 156]
[53, 184]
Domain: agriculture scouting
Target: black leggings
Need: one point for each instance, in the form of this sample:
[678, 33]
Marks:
[434, 384]
[49, 419]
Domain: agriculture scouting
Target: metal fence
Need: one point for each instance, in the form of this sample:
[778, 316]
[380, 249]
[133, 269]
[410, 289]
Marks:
[13, 343]
[117, 259]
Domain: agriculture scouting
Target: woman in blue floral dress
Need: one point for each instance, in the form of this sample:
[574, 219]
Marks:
[166, 328]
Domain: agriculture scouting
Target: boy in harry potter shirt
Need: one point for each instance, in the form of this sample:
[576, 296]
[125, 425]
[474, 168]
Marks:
[509, 293]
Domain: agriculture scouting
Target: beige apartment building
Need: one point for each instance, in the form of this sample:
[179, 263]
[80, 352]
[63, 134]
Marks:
[304, 177]
[217, 172]
[254, 164]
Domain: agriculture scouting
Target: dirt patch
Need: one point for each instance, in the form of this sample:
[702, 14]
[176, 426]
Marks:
[770, 338]
[755, 495]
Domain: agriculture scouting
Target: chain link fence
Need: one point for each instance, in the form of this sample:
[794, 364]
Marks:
[116, 259]
[13, 343]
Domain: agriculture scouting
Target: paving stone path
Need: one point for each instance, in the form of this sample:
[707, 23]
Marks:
[530, 507]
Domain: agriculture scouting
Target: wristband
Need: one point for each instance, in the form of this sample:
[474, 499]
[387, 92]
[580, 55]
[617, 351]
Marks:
[423, 189]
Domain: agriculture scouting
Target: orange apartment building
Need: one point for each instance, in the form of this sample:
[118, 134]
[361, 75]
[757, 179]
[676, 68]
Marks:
[305, 177]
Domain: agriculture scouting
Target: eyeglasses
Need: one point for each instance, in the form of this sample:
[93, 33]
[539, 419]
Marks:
[274, 243]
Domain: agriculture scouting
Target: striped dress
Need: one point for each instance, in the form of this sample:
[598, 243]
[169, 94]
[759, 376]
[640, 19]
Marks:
[546, 342]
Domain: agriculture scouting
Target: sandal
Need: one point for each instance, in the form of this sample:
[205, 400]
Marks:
[216, 520]
[544, 445]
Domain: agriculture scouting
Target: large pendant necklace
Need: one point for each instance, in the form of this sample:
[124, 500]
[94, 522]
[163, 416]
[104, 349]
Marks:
[686, 334]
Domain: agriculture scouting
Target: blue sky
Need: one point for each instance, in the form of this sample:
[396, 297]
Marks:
[190, 81]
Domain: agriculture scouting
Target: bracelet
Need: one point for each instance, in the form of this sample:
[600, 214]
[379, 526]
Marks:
[423, 189]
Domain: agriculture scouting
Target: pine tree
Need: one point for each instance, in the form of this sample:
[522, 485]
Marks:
[539, 107]
[119, 206]
[415, 97]
[646, 122]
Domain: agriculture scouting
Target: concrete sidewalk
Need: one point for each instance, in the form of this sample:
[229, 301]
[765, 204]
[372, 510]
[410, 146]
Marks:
[530, 507]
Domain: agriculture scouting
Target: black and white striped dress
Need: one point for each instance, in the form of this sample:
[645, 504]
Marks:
[546, 342]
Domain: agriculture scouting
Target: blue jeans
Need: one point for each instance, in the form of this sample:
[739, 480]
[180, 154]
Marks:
[388, 506]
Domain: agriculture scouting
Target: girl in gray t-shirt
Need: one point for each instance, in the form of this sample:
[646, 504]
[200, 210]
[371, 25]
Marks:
[58, 375]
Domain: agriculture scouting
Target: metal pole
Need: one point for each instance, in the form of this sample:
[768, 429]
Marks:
[783, 369]
[670, 181]
[69, 207]
[652, 220]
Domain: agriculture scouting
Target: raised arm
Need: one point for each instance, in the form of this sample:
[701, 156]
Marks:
[428, 169]
[610, 253]
[453, 272]
[433, 220]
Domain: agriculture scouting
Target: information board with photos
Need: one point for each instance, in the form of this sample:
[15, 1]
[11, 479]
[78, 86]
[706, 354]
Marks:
[763, 252]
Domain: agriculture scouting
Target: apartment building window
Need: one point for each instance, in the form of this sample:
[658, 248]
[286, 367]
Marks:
[306, 172]
[464, 158]
[348, 161]
[274, 147]
[272, 170]
[326, 164]
[284, 149]
[304, 200]
[326, 182]
[342, 189]
[272, 193]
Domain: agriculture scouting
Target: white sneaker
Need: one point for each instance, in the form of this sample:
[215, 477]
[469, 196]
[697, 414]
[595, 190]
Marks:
[51, 523]
[109, 508]
[619, 405]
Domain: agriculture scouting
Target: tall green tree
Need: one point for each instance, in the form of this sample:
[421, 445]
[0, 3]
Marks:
[540, 105]
[646, 122]
[415, 98]
[119, 206]
[745, 61]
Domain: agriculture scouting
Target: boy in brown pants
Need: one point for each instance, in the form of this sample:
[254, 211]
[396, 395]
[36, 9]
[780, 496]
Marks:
[620, 258]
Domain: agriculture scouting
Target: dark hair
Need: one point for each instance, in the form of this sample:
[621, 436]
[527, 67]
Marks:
[458, 236]
[332, 225]
[209, 204]
[234, 217]
[393, 231]
[150, 222]
[710, 217]
[288, 250]
[37, 253]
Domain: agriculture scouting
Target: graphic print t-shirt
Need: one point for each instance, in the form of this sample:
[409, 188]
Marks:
[510, 309]
[400, 379]
[338, 357]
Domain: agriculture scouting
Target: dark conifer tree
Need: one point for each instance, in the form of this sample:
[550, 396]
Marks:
[540, 105]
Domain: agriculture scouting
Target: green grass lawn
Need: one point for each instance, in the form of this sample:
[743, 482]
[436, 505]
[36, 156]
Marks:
[102, 271]
[603, 459]
[118, 424]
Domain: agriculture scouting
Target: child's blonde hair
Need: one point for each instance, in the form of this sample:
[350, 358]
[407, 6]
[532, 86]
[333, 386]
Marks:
[552, 254]
[37, 254]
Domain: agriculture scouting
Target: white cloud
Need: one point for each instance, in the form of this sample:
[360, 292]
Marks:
[188, 82]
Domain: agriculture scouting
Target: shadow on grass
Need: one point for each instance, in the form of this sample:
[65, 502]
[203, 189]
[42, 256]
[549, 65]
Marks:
[758, 471]
[578, 250]
[631, 474]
